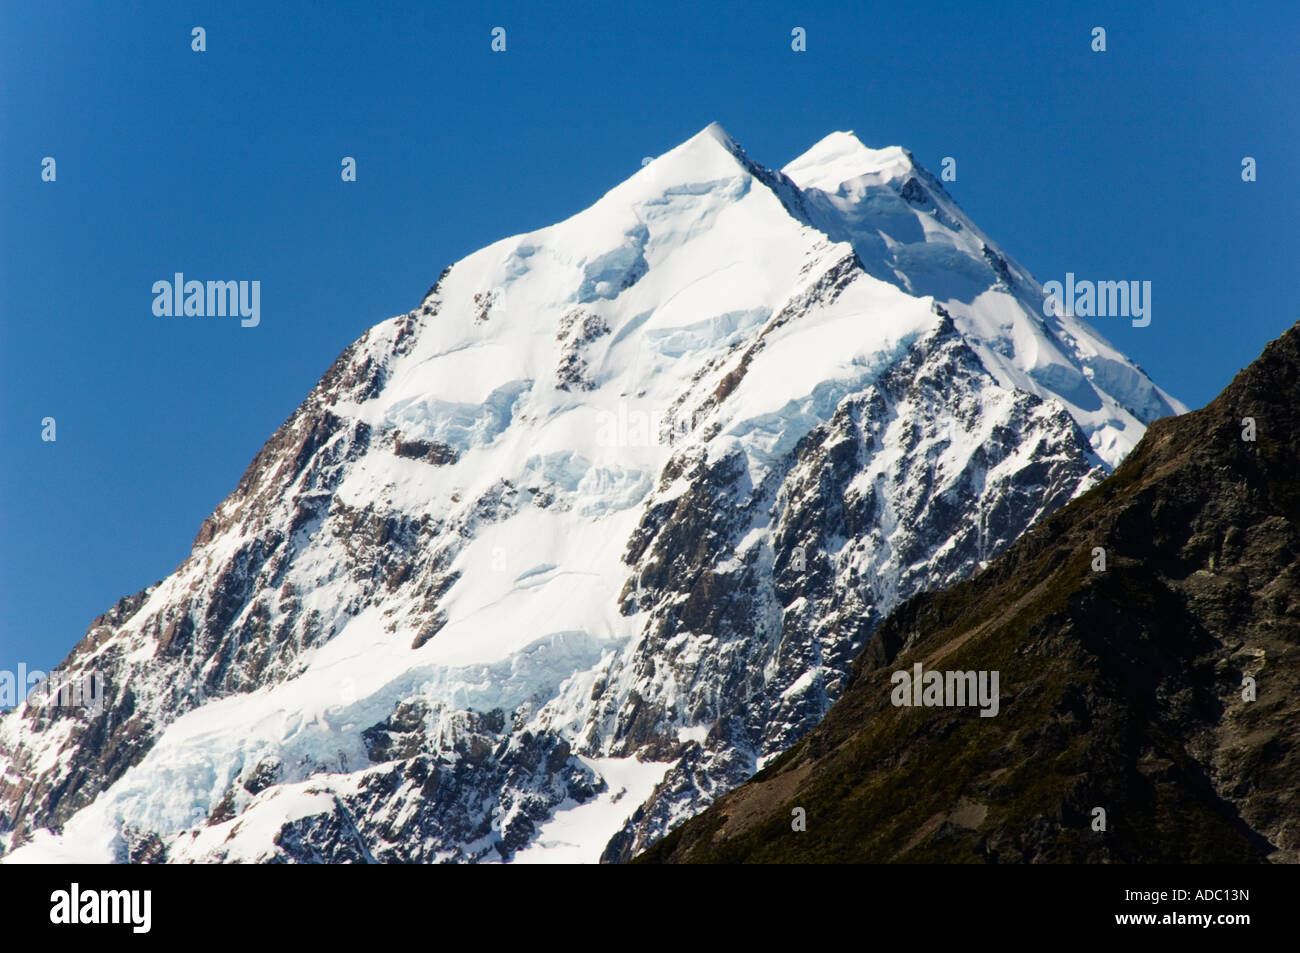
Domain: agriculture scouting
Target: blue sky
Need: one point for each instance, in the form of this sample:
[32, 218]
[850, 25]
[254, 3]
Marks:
[225, 164]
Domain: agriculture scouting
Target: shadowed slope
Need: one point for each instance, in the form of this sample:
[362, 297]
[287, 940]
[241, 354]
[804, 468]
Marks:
[1120, 689]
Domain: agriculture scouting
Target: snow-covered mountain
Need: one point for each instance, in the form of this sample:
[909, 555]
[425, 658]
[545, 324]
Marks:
[542, 567]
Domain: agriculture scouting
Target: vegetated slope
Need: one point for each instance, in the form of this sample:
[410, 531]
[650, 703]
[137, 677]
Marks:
[1124, 689]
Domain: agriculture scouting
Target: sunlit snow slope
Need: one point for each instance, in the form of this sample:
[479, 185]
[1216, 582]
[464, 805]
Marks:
[542, 567]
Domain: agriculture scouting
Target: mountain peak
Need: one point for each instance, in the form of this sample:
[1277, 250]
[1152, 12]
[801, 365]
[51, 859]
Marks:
[715, 132]
[841, 157]
[709, 154]
[599, 498]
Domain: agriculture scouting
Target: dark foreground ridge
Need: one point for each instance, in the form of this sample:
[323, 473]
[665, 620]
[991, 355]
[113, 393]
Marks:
[1125, 689]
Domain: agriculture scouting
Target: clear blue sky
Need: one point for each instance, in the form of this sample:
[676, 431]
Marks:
[225, 164]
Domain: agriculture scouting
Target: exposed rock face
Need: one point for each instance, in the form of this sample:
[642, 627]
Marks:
[615, 507]
[856, 522]
[1163, 688]
[205, 631]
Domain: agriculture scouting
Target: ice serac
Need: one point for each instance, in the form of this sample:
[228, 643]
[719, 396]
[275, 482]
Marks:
[542, 567]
